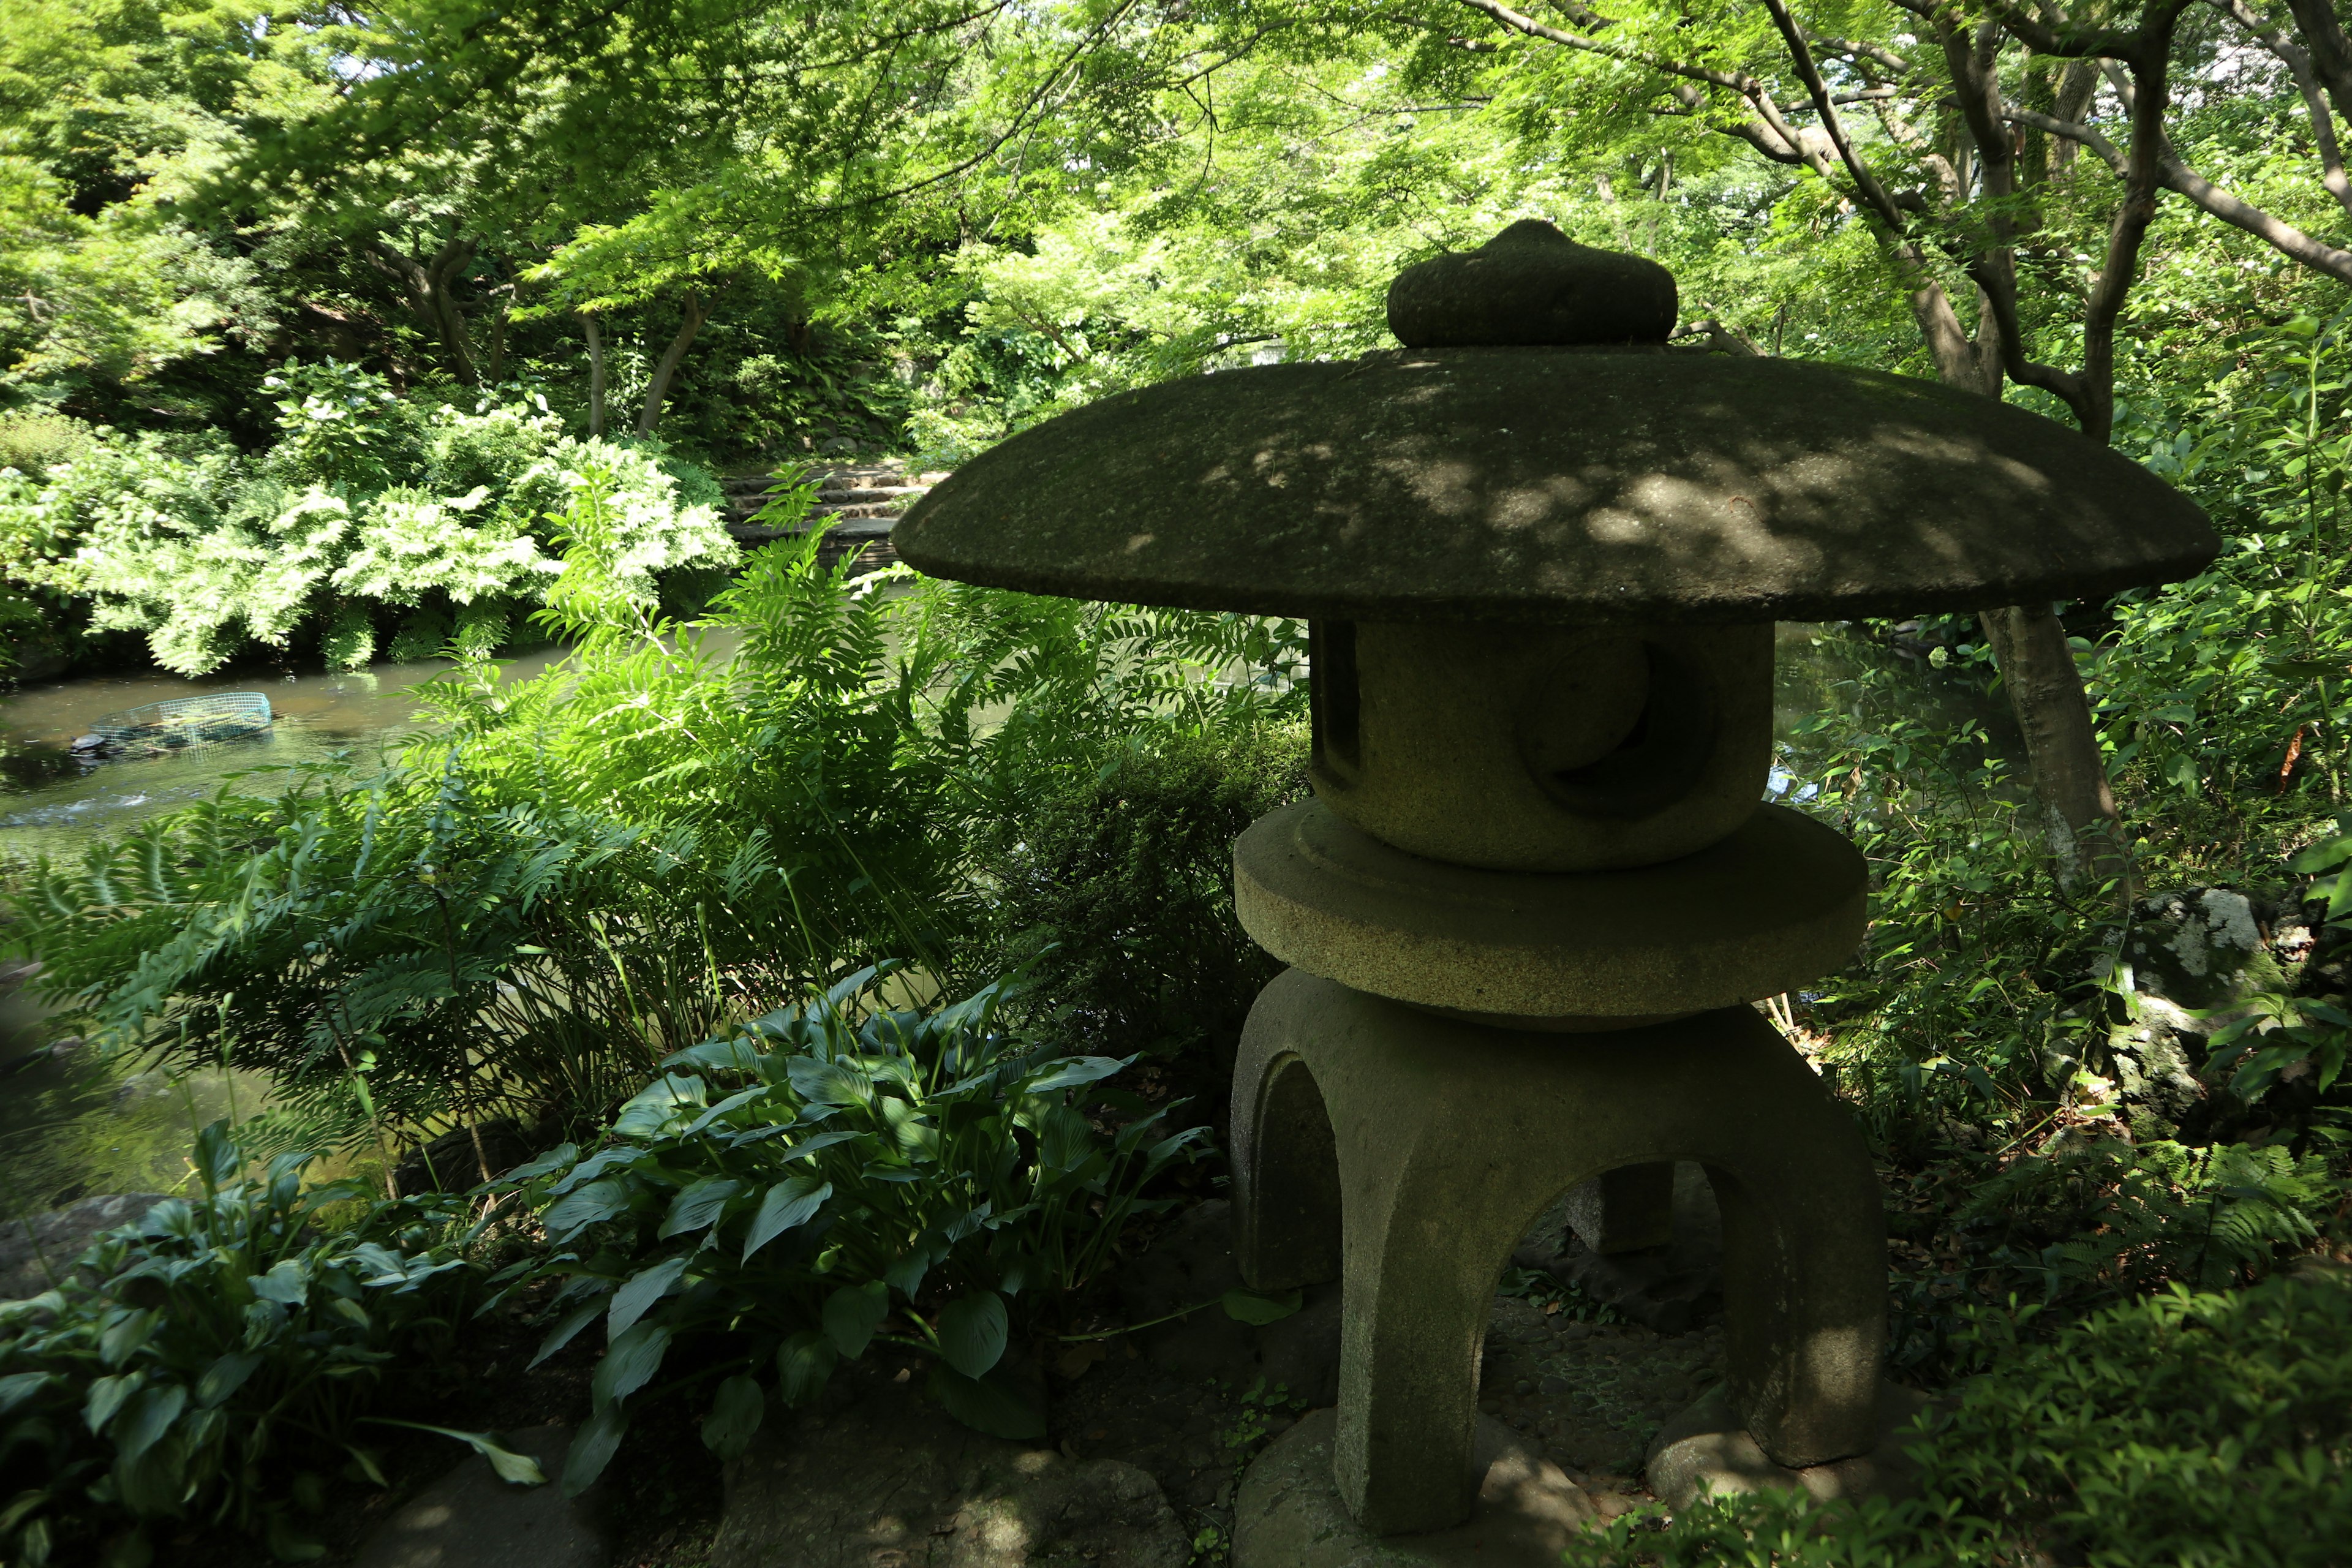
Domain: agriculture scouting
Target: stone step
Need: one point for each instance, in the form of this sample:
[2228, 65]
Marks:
[871, 495]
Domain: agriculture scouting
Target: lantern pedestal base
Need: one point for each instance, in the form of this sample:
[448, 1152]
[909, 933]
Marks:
[1407, 1154]
[1705, 1449]
[1289, 1514]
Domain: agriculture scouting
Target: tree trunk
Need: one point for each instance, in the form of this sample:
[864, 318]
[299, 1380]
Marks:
[428, 287]
[2029, 644]
[596, 374]
[2070, 779]
[498, 337]
[697, 312]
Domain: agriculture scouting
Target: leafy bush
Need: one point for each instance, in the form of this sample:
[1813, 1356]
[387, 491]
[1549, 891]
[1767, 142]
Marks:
[356, 513]
[1117, 890]
[579, 874]
[33, 441]
[2192, 1430]
[814, 1182]
[205, 1364]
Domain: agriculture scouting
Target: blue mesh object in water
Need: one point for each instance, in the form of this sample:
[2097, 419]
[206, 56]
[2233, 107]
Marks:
[182, 721]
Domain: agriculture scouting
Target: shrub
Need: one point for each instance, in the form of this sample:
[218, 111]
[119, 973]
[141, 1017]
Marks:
[350, 516]
[1117, 890]
[579, 874]
[2188, 1430]
[33, 441]
[206, 1364]
[809, 1185]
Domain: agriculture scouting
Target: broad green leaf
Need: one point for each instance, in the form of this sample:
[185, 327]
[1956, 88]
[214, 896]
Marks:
[1252, 1307]
[735, 1413]
[225, 1376]
[216, 1155]
[699, 1207]
[803, 1363]
[993, 1405]
[106, 1396]
[516, 1469]
[829, 1083]
[1073, 1071]
[733, 1055]
[853, 1314]
[790, 1202]
[123, 1336]
[906, 1274]
[564, 1332]
[554, 1159]
[655, 1107]
[732, 1103]
[592, 1448]
[17, 1389]
[1064, 1138]
[628, 1365]
[972, 1331]
[632, 1300]
[146, 1415]
[590, 1205]
[287, 1283]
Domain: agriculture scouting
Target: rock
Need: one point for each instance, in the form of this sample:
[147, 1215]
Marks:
[1668, 1288]
[2198, 947]
[470, 1518]
[887, 1480]
[61, 1236]
[2195, 950]
[1190, 1263]
[1288, 1513]
[1707, 1450]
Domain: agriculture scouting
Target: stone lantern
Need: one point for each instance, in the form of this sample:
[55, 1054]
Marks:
[1536, 886]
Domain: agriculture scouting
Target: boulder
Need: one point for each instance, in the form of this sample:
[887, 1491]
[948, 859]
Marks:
[1705, 1449]
[60, 1236]
[471, 1518]
[1288, 1513]
[879, 1478]
[2190, 956]
[1670, 1289]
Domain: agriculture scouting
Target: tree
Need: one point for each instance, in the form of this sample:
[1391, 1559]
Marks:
[1939, 175]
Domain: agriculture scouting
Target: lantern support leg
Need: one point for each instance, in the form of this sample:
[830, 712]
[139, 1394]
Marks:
[1439, 1141]
[1624, 1210]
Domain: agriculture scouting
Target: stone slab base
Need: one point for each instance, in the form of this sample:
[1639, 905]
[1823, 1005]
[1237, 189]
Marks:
[1705, 1449]
[1289, 1514]
[470, 1518]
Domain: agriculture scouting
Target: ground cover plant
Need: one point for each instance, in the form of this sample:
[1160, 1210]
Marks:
[214, 1364]
[2168, 1430]
[818, 1181]
[491, 926]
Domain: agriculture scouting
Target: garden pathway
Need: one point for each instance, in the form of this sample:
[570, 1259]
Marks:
[860, 501]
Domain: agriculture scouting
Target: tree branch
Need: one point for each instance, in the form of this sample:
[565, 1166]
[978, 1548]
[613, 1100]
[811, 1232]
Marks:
[1769, 133]
[2331, 52]
[2306, 81]
[1866, 183]
[2178, 178]
[2109, 153]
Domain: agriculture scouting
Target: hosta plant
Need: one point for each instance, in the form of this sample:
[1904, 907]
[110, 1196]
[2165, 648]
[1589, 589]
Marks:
[205, 1365]
[835, 1175]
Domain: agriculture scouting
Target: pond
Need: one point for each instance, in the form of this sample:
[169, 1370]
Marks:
[70, 1125]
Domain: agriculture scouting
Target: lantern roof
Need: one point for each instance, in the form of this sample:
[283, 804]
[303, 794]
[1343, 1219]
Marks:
[1584, 473]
